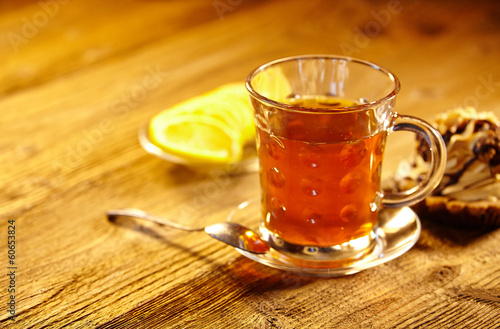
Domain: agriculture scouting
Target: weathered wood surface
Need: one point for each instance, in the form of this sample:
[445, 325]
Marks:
[79, 78]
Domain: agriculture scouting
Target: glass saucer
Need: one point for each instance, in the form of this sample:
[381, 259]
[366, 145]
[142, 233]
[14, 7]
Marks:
[399, 229]
[248, 163]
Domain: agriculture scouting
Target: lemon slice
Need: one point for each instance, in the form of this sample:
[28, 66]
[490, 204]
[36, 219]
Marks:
[208, 106]
[236, 90]
[211, 128]
[197, 138]
[237, 101]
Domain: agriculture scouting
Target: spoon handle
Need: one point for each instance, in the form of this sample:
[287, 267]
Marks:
[136, 213]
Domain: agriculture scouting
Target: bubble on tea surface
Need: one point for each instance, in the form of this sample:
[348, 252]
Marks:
[310, 156]
[350, 183]
[352, 154]
[311, 215]
[312, 186]
[349, 213]
[276, 178]
[276, 208]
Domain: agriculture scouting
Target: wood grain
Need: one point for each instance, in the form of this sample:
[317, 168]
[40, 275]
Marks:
[78, 86]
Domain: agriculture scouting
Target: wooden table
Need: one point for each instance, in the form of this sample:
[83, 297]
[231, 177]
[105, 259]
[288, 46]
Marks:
[79, 78]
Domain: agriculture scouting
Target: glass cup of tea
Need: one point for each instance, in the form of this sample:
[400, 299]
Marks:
[322, 122]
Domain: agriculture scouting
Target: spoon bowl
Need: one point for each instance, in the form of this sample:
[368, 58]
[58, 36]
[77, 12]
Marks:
[233, 234]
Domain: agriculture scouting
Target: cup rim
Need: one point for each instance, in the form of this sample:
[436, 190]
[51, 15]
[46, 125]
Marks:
[296, 108]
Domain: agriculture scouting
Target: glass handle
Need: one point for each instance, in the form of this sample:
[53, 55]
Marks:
[437, 166]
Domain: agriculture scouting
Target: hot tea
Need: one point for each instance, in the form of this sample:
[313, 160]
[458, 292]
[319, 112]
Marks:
[318, 189]
[322, 123]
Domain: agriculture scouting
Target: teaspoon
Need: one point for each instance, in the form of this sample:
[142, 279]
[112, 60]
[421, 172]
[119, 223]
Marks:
[232, 234]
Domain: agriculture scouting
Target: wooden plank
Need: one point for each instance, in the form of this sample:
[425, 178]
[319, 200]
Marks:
[74, 96]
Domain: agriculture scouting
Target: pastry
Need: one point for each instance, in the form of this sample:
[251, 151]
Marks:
[469, 192]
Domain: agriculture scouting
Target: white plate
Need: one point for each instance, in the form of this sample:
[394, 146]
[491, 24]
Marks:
[248, 163]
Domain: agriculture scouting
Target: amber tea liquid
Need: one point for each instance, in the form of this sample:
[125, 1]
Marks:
[320, 174]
